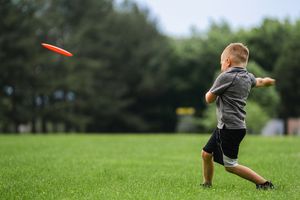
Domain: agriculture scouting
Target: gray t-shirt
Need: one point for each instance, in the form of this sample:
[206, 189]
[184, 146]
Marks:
[232, 88]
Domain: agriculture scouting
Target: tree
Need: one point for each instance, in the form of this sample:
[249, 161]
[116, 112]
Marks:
[287, 73]
[17, 55]
[121, 69]
[266, 42]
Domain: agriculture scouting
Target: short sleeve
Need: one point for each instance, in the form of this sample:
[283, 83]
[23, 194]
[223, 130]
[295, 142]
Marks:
[253, 80]
[222, 82]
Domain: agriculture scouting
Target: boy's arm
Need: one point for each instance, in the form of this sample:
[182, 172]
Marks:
[264, 82]
[222, 82]
[210, 97]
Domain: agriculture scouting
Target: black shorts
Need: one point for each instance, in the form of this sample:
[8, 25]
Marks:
[224, 145]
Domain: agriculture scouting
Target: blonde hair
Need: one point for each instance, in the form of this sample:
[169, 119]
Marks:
[237, 52]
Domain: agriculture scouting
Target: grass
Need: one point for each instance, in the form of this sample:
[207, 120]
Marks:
[139, 167]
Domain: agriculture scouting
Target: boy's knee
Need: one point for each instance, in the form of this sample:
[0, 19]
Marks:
[206, 156]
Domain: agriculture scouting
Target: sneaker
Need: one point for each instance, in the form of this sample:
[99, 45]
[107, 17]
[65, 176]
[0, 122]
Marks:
[206, 185]
[265, 186]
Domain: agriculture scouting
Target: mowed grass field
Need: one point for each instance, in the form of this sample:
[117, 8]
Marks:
[139, 167]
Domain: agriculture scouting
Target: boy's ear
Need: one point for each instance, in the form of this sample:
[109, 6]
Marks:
[228, 62]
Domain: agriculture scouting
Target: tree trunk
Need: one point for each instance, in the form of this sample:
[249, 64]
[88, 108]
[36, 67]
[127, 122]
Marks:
[55, 127]
[33, 125]
[67, 127]
[16, 127]
[44, 125]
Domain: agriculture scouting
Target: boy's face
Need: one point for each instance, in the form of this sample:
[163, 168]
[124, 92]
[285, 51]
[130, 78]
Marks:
[225, 62]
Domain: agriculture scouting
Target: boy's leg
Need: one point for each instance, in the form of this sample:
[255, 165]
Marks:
[210, 154]
[207, 167]
[246, 173]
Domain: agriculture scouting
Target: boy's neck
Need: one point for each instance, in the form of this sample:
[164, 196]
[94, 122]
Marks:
[233, 66]
[240, 66]
[237, 66]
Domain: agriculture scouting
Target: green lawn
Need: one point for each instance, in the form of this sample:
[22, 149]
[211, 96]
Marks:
[139, 167]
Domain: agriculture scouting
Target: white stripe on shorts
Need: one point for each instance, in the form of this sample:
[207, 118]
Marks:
[229, 162]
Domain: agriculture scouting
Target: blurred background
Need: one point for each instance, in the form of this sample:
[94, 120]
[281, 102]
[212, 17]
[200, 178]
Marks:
[142, 66]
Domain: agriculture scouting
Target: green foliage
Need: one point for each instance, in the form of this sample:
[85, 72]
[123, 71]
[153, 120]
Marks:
[256, 118]
[287, 73]
[139, 167]
[126, 71]
[266, 42]
[209, 120]
[114, 77]
[267, 98]
[17, 54]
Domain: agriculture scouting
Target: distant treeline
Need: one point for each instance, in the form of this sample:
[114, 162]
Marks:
[126, 76]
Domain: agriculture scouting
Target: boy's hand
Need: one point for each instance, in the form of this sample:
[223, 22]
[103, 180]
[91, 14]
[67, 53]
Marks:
[264, 82]
[269, 81]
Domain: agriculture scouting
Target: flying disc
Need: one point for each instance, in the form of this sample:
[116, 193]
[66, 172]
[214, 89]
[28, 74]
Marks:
[57, 49]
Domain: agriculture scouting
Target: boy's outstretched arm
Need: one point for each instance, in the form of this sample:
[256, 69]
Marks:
[264, 82]
[210, 97]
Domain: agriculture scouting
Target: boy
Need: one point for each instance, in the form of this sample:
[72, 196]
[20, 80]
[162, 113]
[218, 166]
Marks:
[231, 90]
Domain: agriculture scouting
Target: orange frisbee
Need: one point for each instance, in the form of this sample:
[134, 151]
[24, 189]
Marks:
[57, 49]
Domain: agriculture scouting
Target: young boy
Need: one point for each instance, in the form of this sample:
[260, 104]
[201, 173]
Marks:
[230, 91]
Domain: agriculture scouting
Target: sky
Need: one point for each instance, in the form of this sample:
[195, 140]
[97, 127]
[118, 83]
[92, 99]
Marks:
[175, 17]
